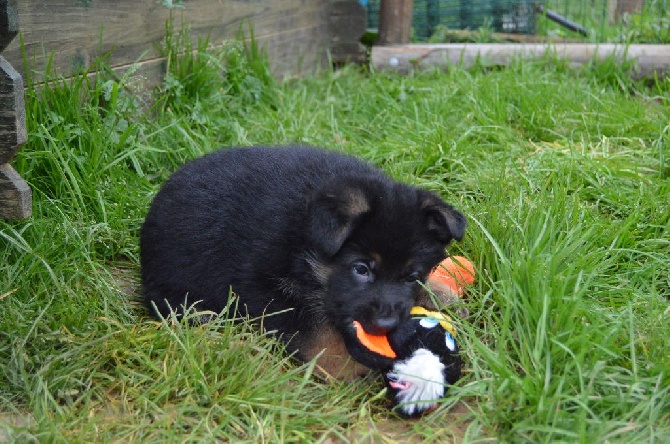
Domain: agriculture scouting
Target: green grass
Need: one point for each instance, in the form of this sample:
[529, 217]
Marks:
[564, 176]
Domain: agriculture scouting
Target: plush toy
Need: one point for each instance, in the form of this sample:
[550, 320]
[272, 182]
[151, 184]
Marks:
[420, 358]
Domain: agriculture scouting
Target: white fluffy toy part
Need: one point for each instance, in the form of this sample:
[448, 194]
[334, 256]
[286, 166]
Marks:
[419, 380]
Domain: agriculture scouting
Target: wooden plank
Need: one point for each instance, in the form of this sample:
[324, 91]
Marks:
[282, 50]
[347, 26]
[649, 59]
[9, 22]
[12, 112]
[15, 195]
[129, 30]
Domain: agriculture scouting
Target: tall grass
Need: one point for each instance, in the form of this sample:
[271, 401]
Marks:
[564, 177]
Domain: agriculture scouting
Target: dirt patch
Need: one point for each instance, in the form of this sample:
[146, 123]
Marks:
[442, 426]
[127, 278]
[11, 425]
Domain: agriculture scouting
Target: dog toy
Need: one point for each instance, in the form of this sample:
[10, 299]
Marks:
[424, 356]
[455, 272]
[420, 358]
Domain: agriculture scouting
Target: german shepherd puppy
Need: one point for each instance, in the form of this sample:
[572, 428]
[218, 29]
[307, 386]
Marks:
[317, 237]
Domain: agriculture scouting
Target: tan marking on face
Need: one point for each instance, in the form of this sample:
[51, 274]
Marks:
[377, 258]
[321, 271]
[334, 361]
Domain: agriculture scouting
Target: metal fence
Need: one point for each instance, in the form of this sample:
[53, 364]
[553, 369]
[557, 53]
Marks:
[640, 21]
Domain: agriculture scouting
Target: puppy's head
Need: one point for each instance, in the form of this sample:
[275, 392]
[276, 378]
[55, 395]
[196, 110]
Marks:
[373, 243]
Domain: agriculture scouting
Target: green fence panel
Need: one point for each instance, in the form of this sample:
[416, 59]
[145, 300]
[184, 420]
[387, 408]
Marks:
[638, 21]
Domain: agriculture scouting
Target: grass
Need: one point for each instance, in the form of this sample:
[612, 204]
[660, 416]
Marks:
[563, 174]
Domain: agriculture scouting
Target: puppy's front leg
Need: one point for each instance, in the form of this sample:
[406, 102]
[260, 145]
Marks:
[334, 361]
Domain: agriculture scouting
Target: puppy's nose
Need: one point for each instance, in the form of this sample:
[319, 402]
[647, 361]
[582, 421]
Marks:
[386, 324]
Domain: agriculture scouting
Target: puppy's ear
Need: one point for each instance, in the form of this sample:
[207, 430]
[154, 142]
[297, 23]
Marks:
[333, 214]
[443, 220]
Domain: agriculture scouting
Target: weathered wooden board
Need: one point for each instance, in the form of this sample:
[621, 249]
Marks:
[295, 32]
[15, 195]
[348, 20]
[649, 59]
[9, 22]
[12, 112]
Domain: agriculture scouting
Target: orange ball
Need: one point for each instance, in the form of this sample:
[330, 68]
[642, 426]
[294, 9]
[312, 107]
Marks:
[456, 272]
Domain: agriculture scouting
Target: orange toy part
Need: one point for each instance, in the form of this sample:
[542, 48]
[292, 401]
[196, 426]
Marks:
[455, 272]
[376, 343]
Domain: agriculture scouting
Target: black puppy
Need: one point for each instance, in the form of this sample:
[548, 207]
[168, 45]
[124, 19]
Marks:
[321, 237]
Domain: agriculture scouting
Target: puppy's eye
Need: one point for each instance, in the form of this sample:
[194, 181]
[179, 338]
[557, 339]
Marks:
[361, 269]
[412, 278]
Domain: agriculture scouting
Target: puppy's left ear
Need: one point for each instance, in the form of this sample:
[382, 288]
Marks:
[443, 220]
[334, 213]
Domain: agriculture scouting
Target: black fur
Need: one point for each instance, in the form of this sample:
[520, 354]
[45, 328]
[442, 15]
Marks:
[321, 236]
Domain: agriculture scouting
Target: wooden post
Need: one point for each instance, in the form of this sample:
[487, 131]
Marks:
[616, 9]
[628, 7]
[15, 194]
[347, 26]
[395, 21]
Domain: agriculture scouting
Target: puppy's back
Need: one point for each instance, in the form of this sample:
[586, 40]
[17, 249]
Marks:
[233, 218]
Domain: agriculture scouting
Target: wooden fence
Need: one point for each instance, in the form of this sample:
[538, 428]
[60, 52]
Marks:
[299, 36]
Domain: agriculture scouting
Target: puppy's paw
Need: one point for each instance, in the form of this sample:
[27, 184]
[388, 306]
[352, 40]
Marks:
[333, 361]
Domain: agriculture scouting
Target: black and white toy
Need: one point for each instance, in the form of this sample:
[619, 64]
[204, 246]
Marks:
[420, 359]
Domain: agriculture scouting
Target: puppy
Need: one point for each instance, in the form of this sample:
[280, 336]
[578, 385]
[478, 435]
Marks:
[308, 239]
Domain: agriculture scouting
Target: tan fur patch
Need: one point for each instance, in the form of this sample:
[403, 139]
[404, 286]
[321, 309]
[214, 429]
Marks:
[321, 271]
[377, 258]
[357, 204]
[334, 361]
